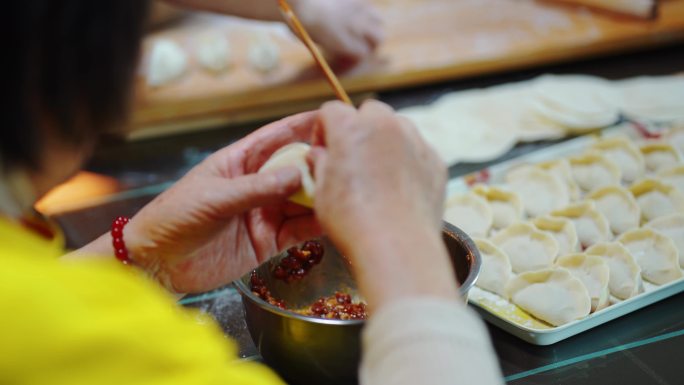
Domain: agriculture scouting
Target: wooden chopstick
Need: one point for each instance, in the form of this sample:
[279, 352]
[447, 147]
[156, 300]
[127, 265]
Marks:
[297, 26]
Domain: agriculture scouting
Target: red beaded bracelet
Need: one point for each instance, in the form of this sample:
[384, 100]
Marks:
[120, 250]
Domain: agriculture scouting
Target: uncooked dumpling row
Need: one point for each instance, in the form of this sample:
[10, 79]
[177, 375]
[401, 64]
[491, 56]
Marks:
[496, 267]
[655, 253]
[527, 248]
[671, 226]
[561, 169]
[562, 229]
[674, 176]
[506, 206]
[294, 154]
[659, 156]
[592, 226]
[552, 295]
[625, 274]
[539, 190]
[470, 212]
[594, 274]
[593, 170]
[657, 199]
[624, 154]
[618, 206]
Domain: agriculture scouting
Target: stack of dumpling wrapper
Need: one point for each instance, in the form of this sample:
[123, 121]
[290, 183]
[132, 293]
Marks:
[570, 236]
[481, 125]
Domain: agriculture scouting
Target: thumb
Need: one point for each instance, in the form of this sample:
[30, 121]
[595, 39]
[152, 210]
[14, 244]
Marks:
[257, 190]
[317, 158]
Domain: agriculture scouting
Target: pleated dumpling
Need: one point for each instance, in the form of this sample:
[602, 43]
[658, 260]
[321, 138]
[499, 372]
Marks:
[671, 226]
[553, 295]
[594, 273]
[657, 199]
[562, 229]
[295, 154]
[496, 267]
[506, 206]
[655, 253]
[618, 205]
[539, 190]
[625, 154]
[659, 156]
[592, 227]
[673, 176]
[470, 212]
[593, 170]
[527, 248]
[625, 274]
[561, 169]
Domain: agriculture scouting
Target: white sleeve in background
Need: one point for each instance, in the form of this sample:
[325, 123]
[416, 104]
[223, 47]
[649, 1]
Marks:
[427, 341]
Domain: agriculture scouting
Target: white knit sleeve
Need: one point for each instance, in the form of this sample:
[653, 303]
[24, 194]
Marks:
[427, 341]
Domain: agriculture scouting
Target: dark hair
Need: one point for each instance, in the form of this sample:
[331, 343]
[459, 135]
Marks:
[71, 65]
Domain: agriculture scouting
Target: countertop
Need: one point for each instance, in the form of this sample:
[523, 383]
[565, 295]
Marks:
[644, 347]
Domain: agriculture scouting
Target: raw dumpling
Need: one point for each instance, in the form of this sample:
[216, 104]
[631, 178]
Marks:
[264, 54]
[655, 253]
[576, 102]
[294, 154]
[167, 63]
[671, 226]
[594, 273]
[675, 136]
[470, 212]
[673, 176]
[552, 295]
[659, 156]
[539, 190]
[527, 248]
[562, 229]
[657, 199]
[618, 206]
[625, 274]
[213, 52]
[561, 168]
[506, 206]
[496, 268]
[593, 170]
[591, 226]
[624, 154]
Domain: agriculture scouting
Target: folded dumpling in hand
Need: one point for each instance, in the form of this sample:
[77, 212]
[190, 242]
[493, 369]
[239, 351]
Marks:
[527, 248]
[553, 295]
[496, 268]
[655, 253]
[625, 274]
[294, 154]
[594, 273]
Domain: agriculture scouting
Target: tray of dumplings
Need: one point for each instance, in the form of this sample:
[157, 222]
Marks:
[577, 234]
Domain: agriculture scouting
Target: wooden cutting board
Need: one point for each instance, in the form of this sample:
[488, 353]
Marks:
[426, 41]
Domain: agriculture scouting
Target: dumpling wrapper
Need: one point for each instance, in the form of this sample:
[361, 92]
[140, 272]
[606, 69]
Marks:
[654, 99]
[625, 274]
[561, 168]
[562, 229]
[657, 199]
[625, 154]
[577, 102]
[594, 273]
[672, 226]
[167, 63]
[506, 206]
[294, 154]
[552, 295]
[469, 212]
[496, 268]
[659, 156]
[527, 248]
[593, 170]
[673, 176]
[655, 253]
[618, 205]
[539, 190]
[592, 227]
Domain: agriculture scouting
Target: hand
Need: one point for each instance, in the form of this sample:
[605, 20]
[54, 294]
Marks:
[222, 219]
[379, 197]
[347, 29]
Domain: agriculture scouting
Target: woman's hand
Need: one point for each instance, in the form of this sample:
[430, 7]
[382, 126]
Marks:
[222, 219]
[379, 197]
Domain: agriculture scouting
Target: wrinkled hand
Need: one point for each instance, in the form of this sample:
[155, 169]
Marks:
[222, 219]
[349, 29]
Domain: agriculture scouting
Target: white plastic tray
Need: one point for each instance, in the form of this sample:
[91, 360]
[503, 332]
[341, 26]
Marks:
[512, 319]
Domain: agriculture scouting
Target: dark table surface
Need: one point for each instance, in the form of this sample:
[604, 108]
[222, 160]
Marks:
[644, 347]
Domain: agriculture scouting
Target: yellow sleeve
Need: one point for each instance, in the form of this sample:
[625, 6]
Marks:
[99, 323]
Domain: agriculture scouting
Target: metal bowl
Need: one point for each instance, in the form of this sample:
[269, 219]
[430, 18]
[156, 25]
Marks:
[308, 350]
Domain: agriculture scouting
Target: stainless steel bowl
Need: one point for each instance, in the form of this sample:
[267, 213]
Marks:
[307, 350]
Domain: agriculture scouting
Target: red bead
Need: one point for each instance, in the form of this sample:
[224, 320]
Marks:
[118, 243]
